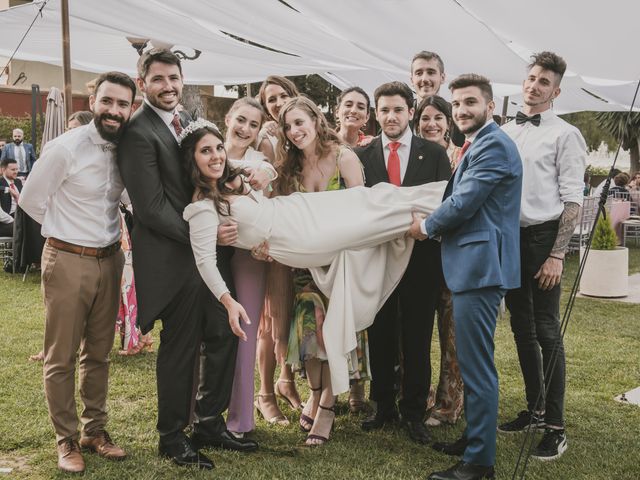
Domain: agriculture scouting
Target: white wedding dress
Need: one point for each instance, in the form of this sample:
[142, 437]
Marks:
[353, 242]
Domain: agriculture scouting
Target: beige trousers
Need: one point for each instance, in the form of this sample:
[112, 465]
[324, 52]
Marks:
[81, 296]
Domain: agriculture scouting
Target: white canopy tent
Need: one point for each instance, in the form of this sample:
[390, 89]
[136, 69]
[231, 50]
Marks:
[359, 42]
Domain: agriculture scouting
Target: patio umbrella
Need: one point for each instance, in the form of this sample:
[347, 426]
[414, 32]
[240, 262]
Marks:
[54, 121]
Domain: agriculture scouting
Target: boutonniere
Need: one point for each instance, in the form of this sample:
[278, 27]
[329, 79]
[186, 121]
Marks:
[419, 157]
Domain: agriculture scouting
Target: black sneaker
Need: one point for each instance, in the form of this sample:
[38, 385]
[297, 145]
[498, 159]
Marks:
[522, 421]
[552, 445]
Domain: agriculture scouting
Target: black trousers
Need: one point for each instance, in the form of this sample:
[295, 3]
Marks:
[6, 229]
[193, 324]
[406, 320]
[535, 322]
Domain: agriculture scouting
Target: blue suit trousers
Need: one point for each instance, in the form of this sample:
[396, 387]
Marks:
[475, 313]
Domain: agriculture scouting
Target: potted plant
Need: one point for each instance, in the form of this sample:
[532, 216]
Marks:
[606, 271]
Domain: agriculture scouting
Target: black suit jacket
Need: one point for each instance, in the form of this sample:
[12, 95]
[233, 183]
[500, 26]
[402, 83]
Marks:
[428, 162]
[152, 171]
[5, 198]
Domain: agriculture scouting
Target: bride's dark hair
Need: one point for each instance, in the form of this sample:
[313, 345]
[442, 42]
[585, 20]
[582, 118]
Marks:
[201, 183]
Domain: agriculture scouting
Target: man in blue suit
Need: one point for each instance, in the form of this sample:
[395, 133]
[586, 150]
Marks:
[21, 152]
[478, 224]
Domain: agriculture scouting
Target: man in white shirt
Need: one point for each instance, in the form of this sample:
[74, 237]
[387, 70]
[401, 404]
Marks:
[21, 152]
[74, 192]
[553, 158]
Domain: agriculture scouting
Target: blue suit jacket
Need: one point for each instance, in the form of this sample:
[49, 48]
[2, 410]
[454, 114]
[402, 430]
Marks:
[30, 153]
[479, 219]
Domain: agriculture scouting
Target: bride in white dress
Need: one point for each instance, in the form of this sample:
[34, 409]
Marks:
[353, 241]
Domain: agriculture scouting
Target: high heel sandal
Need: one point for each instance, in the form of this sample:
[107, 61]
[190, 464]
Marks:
[306, 418]
[323, 416]
[357, 402]
[274, 420]
[289, 400]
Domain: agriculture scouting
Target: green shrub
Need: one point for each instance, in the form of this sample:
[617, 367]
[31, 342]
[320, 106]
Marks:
[604, 236]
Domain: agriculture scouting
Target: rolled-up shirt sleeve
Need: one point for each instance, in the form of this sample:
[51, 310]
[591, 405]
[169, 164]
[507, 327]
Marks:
[203, 232]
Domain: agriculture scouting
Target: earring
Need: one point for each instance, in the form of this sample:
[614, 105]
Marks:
[447, 136]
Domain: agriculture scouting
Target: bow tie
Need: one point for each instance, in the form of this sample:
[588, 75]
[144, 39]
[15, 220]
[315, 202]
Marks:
[522, 118]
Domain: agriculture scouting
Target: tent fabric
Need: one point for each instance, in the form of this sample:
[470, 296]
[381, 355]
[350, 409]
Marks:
[360, 42]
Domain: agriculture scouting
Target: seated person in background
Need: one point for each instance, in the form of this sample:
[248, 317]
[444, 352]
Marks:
[6, 224]
[10, 186]
[634, 184]
[619, 190]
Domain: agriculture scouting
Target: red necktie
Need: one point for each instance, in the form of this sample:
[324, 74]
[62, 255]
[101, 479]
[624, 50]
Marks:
[15, 190]
[176, 124]
[393, 164]
[465, 147]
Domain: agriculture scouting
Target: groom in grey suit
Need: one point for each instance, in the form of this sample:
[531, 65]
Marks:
[168, 284]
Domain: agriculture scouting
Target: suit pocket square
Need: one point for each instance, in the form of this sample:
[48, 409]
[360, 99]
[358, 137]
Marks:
[473, 237]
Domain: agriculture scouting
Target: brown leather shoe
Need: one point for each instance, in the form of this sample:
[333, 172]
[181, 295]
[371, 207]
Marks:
[69, 457]
[100, 442]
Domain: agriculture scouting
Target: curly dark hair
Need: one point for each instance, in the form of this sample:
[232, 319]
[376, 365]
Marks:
[290, 157]
[202, 184]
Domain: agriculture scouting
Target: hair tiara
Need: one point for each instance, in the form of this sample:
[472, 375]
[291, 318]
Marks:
[195, 125]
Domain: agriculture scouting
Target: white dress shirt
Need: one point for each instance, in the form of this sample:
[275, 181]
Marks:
[74, 189]
[553, 162]
[20, 154]
[166, 117]
[5, 217]
[403, 150]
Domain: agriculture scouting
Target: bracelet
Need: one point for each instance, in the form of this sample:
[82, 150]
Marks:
[557, 258]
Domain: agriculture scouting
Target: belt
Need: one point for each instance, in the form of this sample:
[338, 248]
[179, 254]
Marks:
[84, 251]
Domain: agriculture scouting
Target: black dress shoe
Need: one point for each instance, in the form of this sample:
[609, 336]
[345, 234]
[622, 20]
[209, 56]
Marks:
[183, 454]
[464, 471]
[379, 420]
[226, 441]
[455, 449]
[417, 431]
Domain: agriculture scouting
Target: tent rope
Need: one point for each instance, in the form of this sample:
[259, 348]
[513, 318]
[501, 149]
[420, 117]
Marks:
[527, 442]
[39, 13]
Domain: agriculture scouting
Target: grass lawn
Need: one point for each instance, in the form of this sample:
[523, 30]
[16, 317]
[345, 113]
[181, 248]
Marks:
[603, 360]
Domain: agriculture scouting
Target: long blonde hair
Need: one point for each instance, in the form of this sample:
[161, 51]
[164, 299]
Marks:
[290, 157]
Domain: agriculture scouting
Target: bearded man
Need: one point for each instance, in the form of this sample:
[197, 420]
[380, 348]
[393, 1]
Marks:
[74, 191]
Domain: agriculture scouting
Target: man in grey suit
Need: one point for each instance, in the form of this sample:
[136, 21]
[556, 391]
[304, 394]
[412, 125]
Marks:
[167, 280]
[21, 152]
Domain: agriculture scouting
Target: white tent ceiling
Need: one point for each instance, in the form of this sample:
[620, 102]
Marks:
[355, 42]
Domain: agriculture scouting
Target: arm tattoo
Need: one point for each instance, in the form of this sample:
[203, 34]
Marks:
[568, 221]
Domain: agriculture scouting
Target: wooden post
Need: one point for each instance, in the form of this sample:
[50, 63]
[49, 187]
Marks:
[66, 59]
[505, 106]
[248, 87]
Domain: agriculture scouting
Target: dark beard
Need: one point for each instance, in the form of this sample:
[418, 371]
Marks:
[17, 142]
[109, 133]
[477, 125]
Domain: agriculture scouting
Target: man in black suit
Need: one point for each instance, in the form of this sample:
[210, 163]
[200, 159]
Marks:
[168, 284]
[10, 186]
[399, 157]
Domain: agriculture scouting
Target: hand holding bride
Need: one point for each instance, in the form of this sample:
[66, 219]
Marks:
[414, 230]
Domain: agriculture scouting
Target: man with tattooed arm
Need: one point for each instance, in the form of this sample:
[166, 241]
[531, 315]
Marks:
[553, 158]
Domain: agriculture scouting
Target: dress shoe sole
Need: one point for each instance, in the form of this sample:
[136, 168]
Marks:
[202, 466]
[70, 471]
[219, 446]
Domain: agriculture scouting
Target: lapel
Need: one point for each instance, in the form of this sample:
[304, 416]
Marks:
[416, 158]
[159, 127]
[464, 161]
[377, 160]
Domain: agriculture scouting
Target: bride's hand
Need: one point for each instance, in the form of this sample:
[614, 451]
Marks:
[270, 127]
[235, 312]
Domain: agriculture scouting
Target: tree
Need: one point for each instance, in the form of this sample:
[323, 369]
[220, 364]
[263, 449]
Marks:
[594, 135]
[626, 128]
